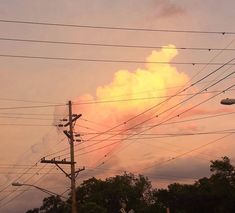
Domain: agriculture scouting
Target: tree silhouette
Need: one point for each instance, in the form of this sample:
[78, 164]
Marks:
[214, 194]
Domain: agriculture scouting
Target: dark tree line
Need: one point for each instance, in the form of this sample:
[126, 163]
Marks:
[215, 194]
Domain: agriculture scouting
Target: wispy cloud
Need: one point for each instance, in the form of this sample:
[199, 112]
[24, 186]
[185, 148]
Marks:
[166, 8]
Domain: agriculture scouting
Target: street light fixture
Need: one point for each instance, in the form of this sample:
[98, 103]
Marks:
[227, 101]
[41, 189]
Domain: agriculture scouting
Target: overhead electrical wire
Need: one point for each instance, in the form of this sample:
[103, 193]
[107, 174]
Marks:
[109, 60]
[193, 119]
[148, 91]
[95, 102]
[15, 180]
[170, 109]
[27, 171]
[204, 89]
[166, 120]
[31, 107]
[112, 45]
[22, 192]
[153, 176]
[141, 98]
[6, 196]
[163, 135]
[187, 152]
[88, 169]
[108, 145]
[111, 144]
[178, 92]
[39, 114]
[148, 174]
[27, 101]
[174, 122]
[28, 118]
[156, 105]
[144, 138]
[24, 173]
[32, 189]
[24, 124]
[168, 123]
[213, 58]
[123, 139]
[115, 28]
[28, 179]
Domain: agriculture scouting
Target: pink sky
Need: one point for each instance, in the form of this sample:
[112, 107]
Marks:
[29, 134]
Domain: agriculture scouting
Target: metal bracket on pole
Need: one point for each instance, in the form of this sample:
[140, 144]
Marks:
[78, 171]
[73, 119]
[67, 134]
[57, 162]
[66, 174]
[43, 160]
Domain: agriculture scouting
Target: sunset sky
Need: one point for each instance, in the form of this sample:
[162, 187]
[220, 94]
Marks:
[163, 120]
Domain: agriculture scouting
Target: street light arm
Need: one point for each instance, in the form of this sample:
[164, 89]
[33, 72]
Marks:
[37, 187]
[47, 191]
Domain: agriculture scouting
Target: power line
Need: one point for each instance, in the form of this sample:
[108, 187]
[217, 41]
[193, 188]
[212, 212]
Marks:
[33, 189]
[27, 170]
[110, 60]
[198, 81]
[180, 91]
[166, 120]
[30, 173]
[91, 169]
[167, 123]
[161, 177]
[99, 102]
[7, 164]
[173, 134]
[174, 122]
[162, 122]
[113, 45]
[147, 91]
[144, 138]
[188, 152]
[186, 134]
[27, 101]
[204, 89]
[24, 124]
[39, 114]
[141, 98]
[27, 118]
[16, 196]
[31, 107]
[166, 111]
[116, 28]
[195, 119]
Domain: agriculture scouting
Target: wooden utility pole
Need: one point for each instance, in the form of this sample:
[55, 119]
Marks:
[73, 172]
[73, 178]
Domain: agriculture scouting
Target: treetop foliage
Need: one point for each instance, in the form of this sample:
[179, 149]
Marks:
[214, 194]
